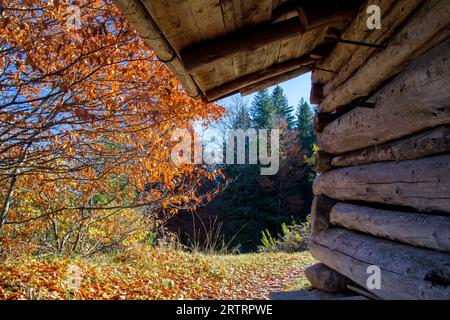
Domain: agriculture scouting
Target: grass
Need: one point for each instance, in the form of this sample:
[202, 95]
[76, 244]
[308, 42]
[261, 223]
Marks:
[145, 273]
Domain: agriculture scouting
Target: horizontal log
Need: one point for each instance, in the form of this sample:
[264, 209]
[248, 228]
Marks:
[234, 86]
[323, 278]
[423, 26]
[394, 14]
[431, 142]
[414, 101]
[141, 20]
[422, 184]
[273, 81]
[427, 231]
[357, 31]
[406, 272]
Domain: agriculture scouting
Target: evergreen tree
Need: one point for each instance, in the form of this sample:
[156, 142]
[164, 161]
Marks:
[281, 106]
[305, 125]
[242, 119]
[262, 109]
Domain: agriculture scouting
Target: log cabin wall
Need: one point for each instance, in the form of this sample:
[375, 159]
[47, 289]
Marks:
[382, 197]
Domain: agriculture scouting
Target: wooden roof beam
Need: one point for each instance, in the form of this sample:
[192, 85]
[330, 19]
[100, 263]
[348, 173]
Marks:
[251, 39]
[244, 81]
[141, 20]
[274, 80]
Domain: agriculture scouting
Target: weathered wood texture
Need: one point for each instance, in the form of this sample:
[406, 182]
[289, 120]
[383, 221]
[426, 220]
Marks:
[406, 272]
[414, 101]
[275, 70]
[323, 162]
[433, 17]
[320, 212]
[316, 95]
[141, 20]
[251, 39]
[427, 231]
[247, 40]
[323, 278]
[394, 14]
[357, 31]
[273, 81]
[430, 142]
[422, 184]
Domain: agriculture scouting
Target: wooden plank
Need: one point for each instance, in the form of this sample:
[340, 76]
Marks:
[414, 101]
[208, 17]
[431, 142]
[260, 13]
[420, 230]
[273, 81]
[423, 26]
[176, 21]
[406, 272]
[244, 81]
[233, 21]
[239, 15]
[250, 39]
[288, 48]
[301, 45]
[394, 15]
[422, 184]
[153, 37]
[246, 40]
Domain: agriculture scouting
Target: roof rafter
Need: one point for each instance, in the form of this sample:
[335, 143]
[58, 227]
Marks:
[251, 39]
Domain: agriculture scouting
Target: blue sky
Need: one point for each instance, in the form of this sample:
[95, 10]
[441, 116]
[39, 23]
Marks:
[294, 89]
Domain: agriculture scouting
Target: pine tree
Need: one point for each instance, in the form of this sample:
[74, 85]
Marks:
[262, 109]
[305, 124]
[281, 106]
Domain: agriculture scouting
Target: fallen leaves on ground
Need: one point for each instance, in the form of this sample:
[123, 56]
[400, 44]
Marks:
[153, 274]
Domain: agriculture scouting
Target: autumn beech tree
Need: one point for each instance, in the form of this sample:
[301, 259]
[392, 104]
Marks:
[87, 112]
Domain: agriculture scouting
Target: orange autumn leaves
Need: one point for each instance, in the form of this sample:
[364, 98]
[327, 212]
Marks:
[153, 274]
[85, 125]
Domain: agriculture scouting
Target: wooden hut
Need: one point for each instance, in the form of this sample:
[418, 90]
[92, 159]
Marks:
[382, 197]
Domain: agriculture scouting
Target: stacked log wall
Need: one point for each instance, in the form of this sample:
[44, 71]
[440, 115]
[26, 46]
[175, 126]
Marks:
[382, 195]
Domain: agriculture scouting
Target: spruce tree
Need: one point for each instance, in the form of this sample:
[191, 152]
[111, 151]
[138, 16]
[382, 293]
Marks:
[281, 106]
[305, 125]
[262, 109]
